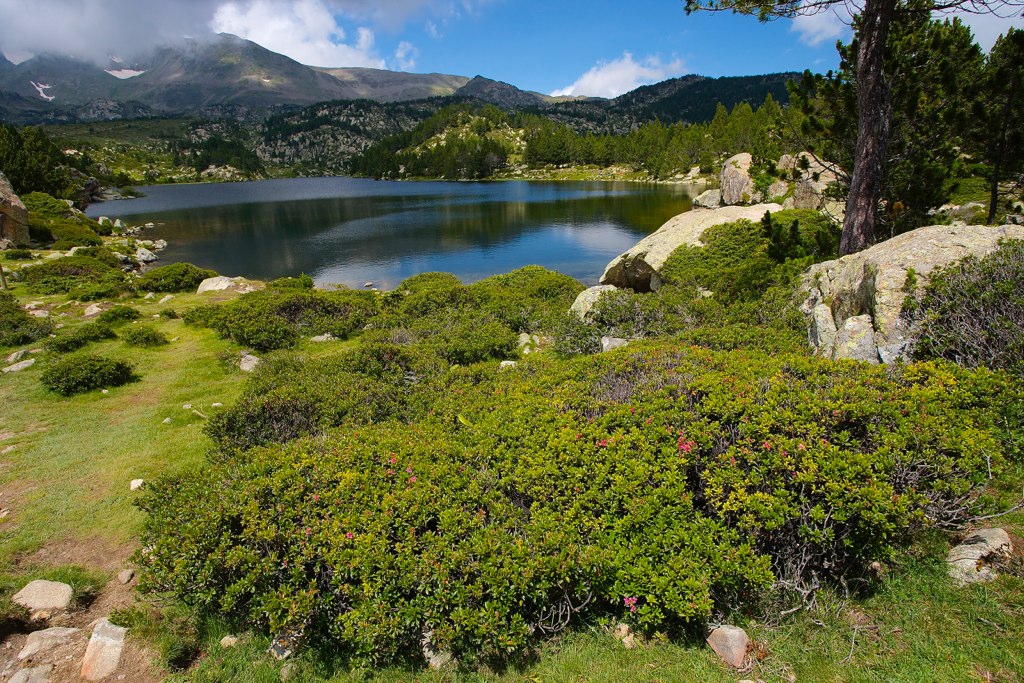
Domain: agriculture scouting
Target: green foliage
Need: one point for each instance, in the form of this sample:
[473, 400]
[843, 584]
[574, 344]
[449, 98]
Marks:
[33, 163]
[84, 372]
[733, 263]
[17, 255]
[119, 315]
[176, 277]
[101, 254]
[144, 336]
[52, 220]
[659, 484]
[17, 327]
[972, 312]
[82, 277]
[275, 318]
[79, 337]
[303, 281]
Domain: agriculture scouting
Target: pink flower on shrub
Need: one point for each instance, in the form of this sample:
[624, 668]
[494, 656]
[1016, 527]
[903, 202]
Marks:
[408, 470]
[316, 497]
[686, 446]
[412, 480]
[766, 445]
[630, 603]
[350, 535]
[602, 443]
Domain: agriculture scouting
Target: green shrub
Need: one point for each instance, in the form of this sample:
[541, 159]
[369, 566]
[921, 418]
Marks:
[74, 275]
[79, 337]
[972, 312]
[143, 335]
[301, 282]
[101, 254]
[84, 372]
[52, 220]
[169, 313]
[17, 327]
[733, 263]
[661, 485]
[275, 319]
[17, 254]
[176, 277]
[119, 315]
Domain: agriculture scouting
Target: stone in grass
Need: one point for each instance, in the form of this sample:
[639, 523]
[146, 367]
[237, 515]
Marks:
[228, 641]
[167, 421]
[37, 674]
[970, 562]
[125, 576]
[21, 365]
[41, 642]
[137, 484]
[103, 653]
[248, 362]
[44, 596]
[624, 634]
[436, 659]
[323, 338]
[730, 643]
[16, 356]
[506, 364]
[284, 645]
[612, 343]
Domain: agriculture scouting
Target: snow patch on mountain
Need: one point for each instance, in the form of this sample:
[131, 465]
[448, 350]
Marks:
[41, 88]
[124, 73]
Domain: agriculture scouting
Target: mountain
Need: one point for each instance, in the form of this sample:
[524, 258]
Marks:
[695, 98]
[395, 86]
[58, 81]
[502, 94]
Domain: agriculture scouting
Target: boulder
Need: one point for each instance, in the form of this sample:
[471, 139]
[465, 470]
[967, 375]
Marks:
[103, 653]
[93, 310]
[222, 283]
[507, 364]
[44, 596]
[20, 365]
[588, 298]
[165, 299]
[777, 190]
[136, 484]
[248, 362]
[13, 215]
[639, 268]
[436, 658]
[529, 343]
[612, 343]
[624, 634]
[41, 642]
[37, 674]
[730, 643]
[323, 338]
[16, 356]
[709, 199]
[228, 641]
[125, 576]
[143, 255]
[869, 285]
[735, 181]
[971, 561]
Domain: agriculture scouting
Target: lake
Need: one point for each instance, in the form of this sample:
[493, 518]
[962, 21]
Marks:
[351, 231]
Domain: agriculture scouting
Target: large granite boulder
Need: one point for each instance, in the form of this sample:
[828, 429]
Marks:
[13, 215]
[735, 181]
[811, 182]
[639, 268]
[853, 305]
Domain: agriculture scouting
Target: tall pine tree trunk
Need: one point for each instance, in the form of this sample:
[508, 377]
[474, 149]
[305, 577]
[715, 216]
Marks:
[874, 118]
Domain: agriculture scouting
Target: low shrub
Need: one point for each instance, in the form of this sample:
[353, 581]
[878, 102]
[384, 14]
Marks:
[83, 277]
[17, 254]
[17, 327]
[274, 319]
[661, 485]
[79, 337]
[176, 277]
[84, 372]
[119, 315]
[972, 312]
[101, 254]
[301, 282]
[144, 336]
[52, 220]
[169, 313]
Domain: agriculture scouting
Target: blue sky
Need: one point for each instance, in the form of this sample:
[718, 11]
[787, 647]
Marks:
[601, 47]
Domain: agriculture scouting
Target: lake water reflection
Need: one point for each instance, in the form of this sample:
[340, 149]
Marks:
[350, 231]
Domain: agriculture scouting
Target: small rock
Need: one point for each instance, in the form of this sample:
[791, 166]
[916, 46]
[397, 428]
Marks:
[45, 640]
[436, 659]
[624, 634]
[528, 343]
[125, 577]
[149, 295]
[44, 595]
[323, 338]
[137, 484]
[37, 674]
[166, 299]
[611, 343]
[730, 643]
[228, 641]
[367, 284]
[94, 310]
[248, 362]
[507, 364]
[18, 367]
[104, 391]
[283, 646]
[970, 562]
[7, 450]
[216, 405]
[16, 356]
[187, 406]
[103, 653]
[143, 255]
[39, 314]
[167, 420]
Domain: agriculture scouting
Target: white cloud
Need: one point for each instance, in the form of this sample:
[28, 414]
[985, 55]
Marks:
[307, 31]
[432, 30]
[611, 79]
[815, 29]
[405, 56]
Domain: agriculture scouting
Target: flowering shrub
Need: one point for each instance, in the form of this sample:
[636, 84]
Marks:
[660, 483]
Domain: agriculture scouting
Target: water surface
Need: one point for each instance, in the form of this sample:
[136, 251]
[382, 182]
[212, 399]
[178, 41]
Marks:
[352, 231]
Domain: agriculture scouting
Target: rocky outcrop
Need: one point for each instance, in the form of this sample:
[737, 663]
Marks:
[709, 199]
[13, 215]
[811, 182]
[853, 305]
[222, 283]
[588, 298]
[639, 268]
[736, 184]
